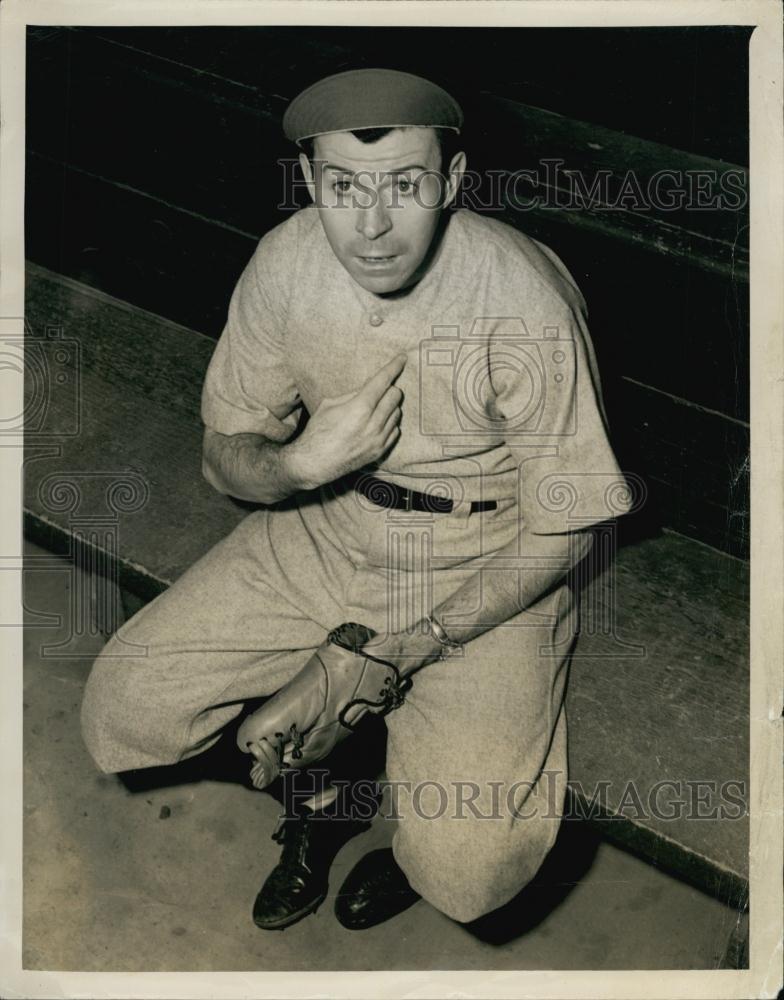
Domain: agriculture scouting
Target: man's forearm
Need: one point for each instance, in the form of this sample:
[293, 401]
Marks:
[248, 467]
[497, 593]
[491, 596]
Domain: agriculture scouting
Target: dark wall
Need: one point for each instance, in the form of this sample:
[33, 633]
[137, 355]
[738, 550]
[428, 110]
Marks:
[152, 172]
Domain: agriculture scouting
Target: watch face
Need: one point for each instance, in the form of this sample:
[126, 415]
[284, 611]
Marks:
[351, 636]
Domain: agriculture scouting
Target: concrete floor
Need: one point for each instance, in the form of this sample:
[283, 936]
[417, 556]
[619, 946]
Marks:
[164, 879]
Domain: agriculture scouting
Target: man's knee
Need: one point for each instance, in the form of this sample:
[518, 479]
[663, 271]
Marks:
[470, 871]
[111, 705]
[98, 704]
[451, 881]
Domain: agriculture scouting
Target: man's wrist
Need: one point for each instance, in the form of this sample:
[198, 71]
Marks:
[408, 651]
[292, 475]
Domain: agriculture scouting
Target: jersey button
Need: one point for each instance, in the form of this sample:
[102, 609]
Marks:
[376, 319]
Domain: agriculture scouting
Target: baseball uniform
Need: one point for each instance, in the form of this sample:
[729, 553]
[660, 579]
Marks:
[501, 402]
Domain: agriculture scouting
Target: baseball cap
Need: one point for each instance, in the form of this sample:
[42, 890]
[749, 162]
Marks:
[370, 98]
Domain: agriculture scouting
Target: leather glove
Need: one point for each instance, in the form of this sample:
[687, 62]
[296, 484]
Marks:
[321, 705]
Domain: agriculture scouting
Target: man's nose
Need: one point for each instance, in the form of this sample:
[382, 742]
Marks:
[373, 219]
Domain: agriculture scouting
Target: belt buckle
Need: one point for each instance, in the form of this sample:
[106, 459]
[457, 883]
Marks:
[408, 500]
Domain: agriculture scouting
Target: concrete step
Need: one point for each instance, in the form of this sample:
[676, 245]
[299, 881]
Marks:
[164, 879]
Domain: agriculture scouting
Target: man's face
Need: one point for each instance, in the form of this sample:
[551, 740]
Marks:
[379, 202]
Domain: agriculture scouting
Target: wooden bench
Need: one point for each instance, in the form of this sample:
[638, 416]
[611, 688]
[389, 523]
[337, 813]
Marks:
[152, 170]
[660, 693]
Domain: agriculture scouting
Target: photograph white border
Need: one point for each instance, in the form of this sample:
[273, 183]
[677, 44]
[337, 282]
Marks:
[763, 978]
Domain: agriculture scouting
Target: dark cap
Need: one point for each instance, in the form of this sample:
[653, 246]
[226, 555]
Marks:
[370, 98]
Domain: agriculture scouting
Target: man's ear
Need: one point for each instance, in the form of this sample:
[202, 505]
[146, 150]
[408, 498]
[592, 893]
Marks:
[456, 170]
[307, 170]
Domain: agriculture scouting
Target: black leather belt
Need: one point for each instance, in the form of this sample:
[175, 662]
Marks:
[385, 494]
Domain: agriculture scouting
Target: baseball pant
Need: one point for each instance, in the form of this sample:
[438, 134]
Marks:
[476, 757]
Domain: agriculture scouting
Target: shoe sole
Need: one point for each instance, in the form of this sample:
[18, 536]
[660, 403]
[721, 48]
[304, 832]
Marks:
[362, 923]
[292, 918]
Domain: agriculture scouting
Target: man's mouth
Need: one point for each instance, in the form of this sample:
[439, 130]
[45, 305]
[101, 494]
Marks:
[376, 260]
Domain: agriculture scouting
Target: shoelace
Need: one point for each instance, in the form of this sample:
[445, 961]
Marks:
[391, 696]
[294, 834]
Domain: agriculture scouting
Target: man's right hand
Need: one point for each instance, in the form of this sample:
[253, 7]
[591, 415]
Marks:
[348, 432]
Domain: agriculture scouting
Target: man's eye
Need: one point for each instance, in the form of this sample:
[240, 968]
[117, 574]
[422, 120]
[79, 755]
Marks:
[405, 186]
[342, 187]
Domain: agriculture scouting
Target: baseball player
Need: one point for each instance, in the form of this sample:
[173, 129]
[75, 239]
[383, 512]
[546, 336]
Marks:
[409, 558]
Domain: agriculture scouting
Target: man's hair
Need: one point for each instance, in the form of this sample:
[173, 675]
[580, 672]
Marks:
[448, 142]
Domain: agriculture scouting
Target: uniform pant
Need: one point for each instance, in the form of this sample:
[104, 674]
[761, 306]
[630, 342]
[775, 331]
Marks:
[476, 756]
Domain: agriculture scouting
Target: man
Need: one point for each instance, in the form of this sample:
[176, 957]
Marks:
[438, 494]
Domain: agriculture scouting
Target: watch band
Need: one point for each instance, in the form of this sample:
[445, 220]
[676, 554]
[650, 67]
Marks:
[439, 633]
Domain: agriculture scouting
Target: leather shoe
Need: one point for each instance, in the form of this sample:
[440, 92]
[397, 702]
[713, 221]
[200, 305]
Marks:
[298, 884]
[374, 891]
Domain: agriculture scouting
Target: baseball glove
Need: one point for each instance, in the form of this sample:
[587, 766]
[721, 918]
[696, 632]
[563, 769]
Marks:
[321, 705]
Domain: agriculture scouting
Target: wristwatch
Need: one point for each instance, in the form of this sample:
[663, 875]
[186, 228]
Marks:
[448, 646]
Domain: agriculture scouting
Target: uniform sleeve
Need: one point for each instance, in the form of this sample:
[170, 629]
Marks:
[549, 397]
[248, 387]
